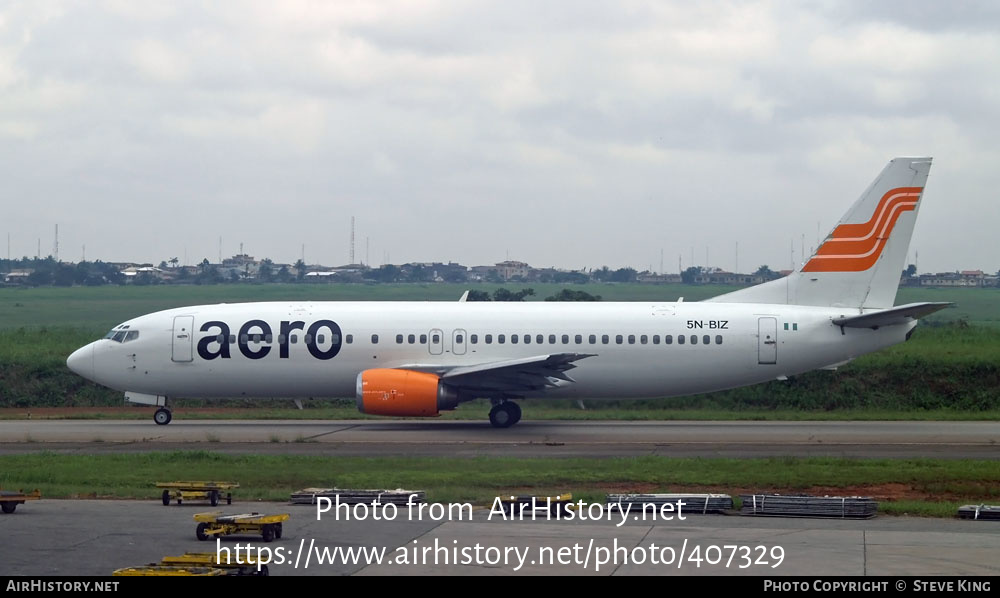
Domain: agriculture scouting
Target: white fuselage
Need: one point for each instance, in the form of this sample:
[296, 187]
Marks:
[177, 353]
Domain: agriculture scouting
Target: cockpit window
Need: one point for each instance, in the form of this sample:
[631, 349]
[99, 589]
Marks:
[122, 334]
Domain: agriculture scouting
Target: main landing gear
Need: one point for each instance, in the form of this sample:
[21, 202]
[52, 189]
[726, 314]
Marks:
[162, 416]
[505, 414]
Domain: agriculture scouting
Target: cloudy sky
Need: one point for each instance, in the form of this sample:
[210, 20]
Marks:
[572, 134]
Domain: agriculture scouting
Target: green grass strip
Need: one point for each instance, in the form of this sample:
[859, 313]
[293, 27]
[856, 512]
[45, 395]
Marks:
[941, 485]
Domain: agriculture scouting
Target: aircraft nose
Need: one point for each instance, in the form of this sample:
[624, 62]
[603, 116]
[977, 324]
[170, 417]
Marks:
[82, 361]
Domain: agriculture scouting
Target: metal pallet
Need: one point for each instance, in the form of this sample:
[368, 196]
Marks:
[778, 505]
[308, 496]
[980, 512]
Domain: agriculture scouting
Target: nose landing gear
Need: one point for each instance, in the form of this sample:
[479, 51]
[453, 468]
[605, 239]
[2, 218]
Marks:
[505, 414]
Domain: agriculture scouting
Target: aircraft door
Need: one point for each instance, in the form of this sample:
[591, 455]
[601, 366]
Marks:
[458, 342]
[435, 343]
[183, 339]
[767, 340]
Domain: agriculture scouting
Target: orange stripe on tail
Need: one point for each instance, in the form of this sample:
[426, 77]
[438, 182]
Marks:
[856, 247]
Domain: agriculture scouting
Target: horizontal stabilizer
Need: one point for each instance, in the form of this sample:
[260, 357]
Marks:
[902, 314]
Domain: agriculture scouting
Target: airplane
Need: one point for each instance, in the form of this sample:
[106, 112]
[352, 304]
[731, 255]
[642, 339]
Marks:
[417, 359]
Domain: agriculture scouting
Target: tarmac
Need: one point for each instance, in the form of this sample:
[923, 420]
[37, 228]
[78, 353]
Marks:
[897, 439]
[95, 537]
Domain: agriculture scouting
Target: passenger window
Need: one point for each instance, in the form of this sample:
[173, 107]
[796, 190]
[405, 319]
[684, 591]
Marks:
[281, 339]
[513, 339]
[411, 339]
[680, 339]
[458, 339]
[399, 339]
[579, 339]
[668, 339]
[565, 339]
[539, 339]
[527, 339]
[718, 339]
[473, 338]
[552, 339]
[320, 338]
[656, 339]
[619, 339]
[694, 339]
[501, 338]
[436, 338]
[593, 339]
[706, 340]
[605, 339]
[295, 338]
[423, 339]
[349, 338]
[374, 339]
[631, 339]
[268, 338]
[256, 338]
[220, 339]
[489, 339]
[643, 339]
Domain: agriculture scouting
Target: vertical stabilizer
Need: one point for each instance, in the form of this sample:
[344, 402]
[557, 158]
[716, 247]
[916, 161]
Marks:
[859, 263]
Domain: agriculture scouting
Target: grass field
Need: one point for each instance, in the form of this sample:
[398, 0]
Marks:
[918, 487]
[949, 370]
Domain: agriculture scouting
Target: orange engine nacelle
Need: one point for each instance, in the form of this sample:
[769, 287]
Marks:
[403, 392]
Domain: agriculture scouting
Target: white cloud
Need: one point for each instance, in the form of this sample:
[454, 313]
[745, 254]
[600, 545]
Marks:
[158, 61]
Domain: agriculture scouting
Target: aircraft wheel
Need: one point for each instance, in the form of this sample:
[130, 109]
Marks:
[8, 507]
[213, 498]
[162, 416]
[166, 497]
[515, 411]
[502, 416]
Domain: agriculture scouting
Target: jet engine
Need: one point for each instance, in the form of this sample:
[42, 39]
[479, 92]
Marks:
[403, 392]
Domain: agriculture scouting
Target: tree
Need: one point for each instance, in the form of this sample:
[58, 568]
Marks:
[601, 275]
[418, 273]
[265, 271]
[300, 269]
[385, 273]
[688, 276]
[910, 271]
[764, 271]
[284, 275]
[505, 295]
[571, 295]
[173, 262]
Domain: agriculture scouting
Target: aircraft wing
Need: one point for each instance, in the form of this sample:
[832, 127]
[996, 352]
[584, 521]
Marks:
[511, 375]
[901, 314]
